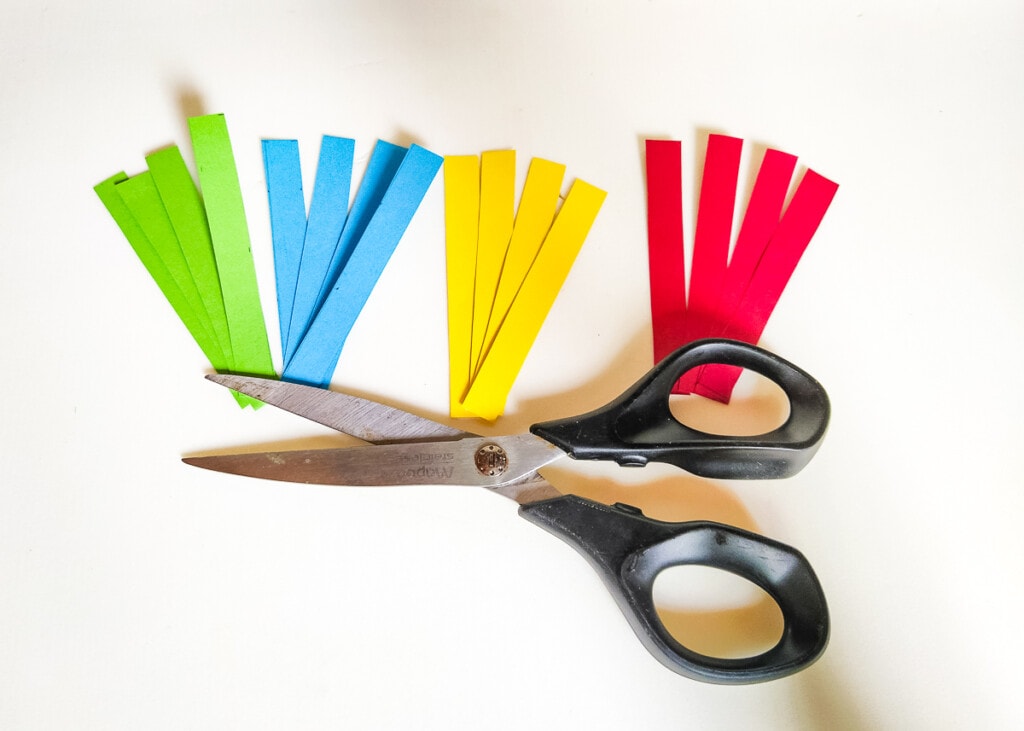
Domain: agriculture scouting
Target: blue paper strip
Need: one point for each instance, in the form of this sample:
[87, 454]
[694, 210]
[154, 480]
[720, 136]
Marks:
[380, 171]
[317, 355]
[328, 211]
[287, 222]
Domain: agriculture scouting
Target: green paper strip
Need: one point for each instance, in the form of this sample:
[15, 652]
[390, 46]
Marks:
[151, 260]
[187, 215]
[140, 196]
[218, 180]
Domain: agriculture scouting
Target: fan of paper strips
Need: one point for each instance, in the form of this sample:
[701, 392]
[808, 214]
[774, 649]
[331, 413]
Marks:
[194, 242]
[505, 267]
[730, 295]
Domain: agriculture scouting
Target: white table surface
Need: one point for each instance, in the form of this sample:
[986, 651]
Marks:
[138, 593]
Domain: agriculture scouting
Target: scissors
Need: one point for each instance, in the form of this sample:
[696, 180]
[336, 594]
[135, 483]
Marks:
[627, 549]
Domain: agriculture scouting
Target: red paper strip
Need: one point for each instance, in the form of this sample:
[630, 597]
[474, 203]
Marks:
[711, 243]
[665, 244]
[759, 224]
[713, 234]
[728, 296]
[773, 271]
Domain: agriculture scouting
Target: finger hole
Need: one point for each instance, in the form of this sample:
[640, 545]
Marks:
[717, 613]
[758, 405]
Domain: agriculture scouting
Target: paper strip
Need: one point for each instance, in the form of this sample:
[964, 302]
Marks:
[713, 233]
[151, 260]
[141, 197]
[490, 388]
[760, 221]
[317, 355]
[380, 171]
[497, 213]
[711, 243]
[537, 207]
[795, 231]
[666, 260]
[328, 210]
[461, 219]
[185, 210]
[287, 204]
[225, 212]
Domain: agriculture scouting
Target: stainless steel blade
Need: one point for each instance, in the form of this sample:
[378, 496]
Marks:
[477, 461]
[359, 417]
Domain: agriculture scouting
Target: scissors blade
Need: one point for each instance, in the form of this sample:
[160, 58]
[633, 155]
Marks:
[470, 462]
[358, 417]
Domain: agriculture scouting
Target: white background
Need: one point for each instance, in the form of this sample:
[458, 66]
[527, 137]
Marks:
[138, 593]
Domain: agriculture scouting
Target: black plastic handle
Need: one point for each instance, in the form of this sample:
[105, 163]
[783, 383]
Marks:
[629, 550]
[638, 427]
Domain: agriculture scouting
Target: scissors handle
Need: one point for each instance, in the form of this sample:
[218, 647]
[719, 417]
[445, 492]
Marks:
[629, 550]
[638, 427]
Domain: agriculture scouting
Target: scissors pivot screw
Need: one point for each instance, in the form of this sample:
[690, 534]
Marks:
[491, 460]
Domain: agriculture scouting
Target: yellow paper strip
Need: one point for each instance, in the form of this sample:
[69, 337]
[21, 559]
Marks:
[537, 206]
[493, 381]
[497, 212]
[461, 218]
